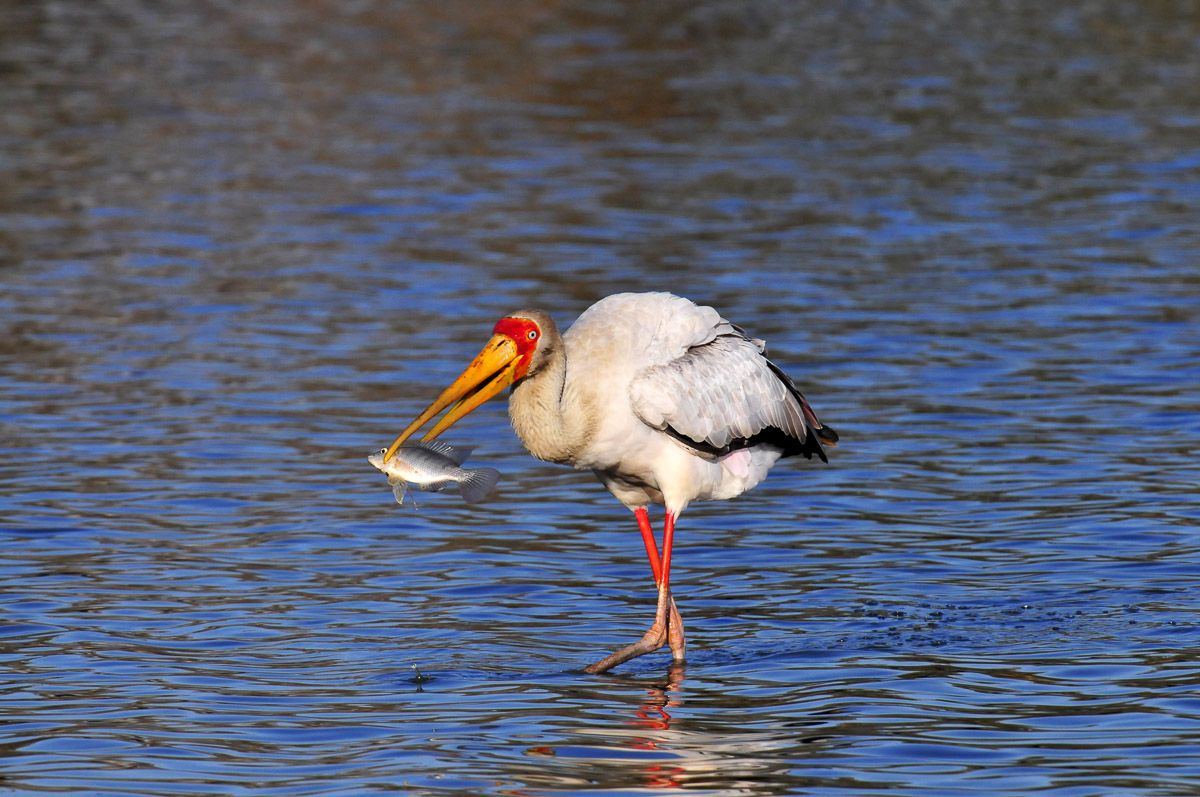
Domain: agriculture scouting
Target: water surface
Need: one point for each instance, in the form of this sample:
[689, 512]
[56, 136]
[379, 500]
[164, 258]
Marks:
[241, 247]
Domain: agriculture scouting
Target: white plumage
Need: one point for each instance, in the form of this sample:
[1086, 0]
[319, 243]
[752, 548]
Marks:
[665, 401]
[675, 395]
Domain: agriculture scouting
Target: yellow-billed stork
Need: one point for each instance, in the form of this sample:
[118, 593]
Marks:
[664, 400]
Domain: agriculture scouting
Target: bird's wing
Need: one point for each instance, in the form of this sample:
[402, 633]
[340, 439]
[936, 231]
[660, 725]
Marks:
[723, 393]
[646, 328]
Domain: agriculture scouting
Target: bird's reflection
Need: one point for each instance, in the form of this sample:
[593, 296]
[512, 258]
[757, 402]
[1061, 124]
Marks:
[643, 736]
[653, 713]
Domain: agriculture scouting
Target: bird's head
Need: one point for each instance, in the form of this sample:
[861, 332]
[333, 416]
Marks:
[520, 345]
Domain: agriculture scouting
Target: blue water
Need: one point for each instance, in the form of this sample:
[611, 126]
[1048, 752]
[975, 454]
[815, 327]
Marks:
[241, 248]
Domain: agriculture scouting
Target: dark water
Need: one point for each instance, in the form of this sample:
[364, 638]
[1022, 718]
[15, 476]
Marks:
[241, 245]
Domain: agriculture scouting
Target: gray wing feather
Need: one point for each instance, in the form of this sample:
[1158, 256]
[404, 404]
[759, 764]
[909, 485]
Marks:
[718, 392]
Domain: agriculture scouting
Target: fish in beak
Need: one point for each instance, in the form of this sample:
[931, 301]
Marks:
[501, 362]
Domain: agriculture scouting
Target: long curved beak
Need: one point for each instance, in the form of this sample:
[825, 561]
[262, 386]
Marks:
[490, 372]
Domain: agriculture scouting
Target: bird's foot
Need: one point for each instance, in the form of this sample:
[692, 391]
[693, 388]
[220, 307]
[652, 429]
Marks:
[658, 635]
[675, 635]
[653, 639]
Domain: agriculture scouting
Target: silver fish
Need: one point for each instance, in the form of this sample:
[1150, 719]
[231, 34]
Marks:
[433, 467]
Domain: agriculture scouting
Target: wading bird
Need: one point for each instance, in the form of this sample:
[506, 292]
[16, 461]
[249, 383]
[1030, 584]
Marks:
[665, 401]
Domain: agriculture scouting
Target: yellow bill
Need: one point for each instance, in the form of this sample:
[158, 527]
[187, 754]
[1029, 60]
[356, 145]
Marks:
[494, 369]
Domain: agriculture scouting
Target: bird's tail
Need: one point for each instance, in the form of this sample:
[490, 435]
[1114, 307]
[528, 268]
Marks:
[477, 483]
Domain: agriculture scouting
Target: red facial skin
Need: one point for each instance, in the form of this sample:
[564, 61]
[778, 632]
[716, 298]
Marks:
[519, 330]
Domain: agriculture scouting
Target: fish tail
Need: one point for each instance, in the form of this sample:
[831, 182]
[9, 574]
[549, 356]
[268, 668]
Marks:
[476, 483]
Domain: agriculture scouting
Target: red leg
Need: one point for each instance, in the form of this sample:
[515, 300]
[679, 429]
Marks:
[675, 629]
[668, 537]
[667, 625]
[643, 519]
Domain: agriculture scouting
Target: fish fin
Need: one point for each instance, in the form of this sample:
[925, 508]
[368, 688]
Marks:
[477, 483]
[437, 487]
[457, 455]
[398, 490]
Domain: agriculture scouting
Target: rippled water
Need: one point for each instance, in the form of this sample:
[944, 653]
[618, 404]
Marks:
[241, 245]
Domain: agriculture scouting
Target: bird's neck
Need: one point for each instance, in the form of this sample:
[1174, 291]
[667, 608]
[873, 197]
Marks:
[547, 415]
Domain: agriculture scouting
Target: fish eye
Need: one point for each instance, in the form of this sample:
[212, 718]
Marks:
[532, 334]
[383, 451]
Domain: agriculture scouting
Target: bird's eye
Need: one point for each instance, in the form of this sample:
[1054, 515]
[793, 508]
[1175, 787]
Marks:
[532, 334]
